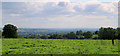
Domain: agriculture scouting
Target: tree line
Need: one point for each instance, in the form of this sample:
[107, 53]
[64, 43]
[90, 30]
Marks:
[10, 31]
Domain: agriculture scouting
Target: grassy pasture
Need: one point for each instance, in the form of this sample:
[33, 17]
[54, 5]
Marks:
[58, 46]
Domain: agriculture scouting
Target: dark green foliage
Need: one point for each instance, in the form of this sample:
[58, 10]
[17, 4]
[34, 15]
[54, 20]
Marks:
[96, 32]
[118, 33]
[10, 31]
[71, 35]
[80, 33]
[87, 34]
[106, 33]
[44, 37]
[64, 36]
[55, 36]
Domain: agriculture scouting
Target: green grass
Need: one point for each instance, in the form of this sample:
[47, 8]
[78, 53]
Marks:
[58, 46]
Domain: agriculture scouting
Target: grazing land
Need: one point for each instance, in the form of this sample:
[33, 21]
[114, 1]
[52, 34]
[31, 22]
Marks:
[58, 46]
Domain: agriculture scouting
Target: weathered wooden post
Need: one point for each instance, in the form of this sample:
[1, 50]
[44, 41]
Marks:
[112, 41]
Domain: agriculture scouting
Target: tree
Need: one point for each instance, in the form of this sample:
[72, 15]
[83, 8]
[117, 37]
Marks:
[79, 33]
[0, 34]
[71, 35]
[96, 32]
[44, 37]
[10, 31]
[107, 33]
[64, 36]
[87, 34]
[55, 36]
[118, 33]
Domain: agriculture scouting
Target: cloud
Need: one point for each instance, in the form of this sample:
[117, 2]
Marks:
[60, 14]
[52, 9]
[96, 8]
[14, 15]
[0, 14]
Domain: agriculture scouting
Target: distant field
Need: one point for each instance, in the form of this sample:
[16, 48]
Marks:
[58, 46]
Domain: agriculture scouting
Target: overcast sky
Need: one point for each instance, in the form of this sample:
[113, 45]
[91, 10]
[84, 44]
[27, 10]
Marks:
[60, 14]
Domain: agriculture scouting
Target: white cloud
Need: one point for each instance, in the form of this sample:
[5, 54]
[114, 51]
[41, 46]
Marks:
[69, 8]
[96, 7]
[62, 14]
[15, 15]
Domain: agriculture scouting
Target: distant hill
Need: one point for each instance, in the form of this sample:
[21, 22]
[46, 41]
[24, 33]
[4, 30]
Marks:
[0, 28]
[53, 30]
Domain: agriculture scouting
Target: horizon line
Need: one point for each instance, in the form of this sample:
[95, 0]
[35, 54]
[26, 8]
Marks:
[63, 28]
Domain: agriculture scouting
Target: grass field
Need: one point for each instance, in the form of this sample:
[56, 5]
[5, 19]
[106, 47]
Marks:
[58, 46]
